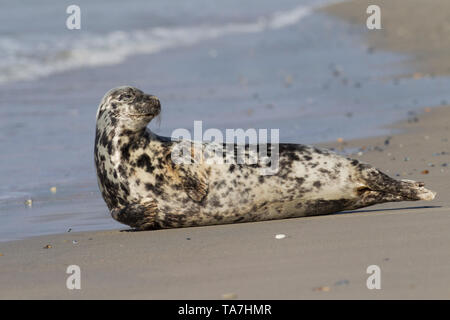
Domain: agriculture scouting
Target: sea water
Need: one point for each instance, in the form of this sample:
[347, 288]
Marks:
[232, 64]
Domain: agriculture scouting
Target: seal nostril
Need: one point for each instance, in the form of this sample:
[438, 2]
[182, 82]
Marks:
[153, 101]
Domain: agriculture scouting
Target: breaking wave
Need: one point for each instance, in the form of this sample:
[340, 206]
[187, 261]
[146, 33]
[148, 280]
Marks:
[22, 60]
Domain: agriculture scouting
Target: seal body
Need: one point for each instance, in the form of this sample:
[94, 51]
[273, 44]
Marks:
[145, 189]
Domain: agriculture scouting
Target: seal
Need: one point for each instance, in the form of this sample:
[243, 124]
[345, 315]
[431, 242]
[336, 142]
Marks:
[144, 188]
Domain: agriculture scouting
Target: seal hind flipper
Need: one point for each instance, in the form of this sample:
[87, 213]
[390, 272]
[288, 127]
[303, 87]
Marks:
[416, 190]
[379, 188]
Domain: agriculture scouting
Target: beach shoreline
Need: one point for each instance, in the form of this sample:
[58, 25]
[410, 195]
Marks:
[422, 34]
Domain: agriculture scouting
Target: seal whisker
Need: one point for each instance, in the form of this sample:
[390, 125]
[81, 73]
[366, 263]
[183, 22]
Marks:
[158, 120]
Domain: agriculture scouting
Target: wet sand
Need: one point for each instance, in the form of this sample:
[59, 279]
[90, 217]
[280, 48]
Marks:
[415, 27]
[321, 257]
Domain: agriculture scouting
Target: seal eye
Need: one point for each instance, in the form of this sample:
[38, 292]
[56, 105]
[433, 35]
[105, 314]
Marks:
[125, 97]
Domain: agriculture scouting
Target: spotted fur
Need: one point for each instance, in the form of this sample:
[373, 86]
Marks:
[145, 189]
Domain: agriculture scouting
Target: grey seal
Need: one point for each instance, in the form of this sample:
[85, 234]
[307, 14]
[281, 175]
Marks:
[145, 189]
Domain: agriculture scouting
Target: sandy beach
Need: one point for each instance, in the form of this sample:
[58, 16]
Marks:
[322, 257]
[417, 28]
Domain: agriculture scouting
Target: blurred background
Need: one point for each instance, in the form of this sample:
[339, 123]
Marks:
[284, 64]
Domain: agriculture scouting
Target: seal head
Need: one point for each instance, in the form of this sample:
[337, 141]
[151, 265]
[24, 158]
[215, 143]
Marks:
[122, 117]
[129, 107]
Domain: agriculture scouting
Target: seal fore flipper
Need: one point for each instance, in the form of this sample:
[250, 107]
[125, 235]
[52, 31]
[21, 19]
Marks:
[191, 172]
[195, 180]
[140, 216]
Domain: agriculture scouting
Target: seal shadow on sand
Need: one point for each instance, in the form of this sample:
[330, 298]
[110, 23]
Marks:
[331, 214]
[389, 209]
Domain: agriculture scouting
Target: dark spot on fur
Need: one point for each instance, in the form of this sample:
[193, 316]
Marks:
[122, 171]
[156, 189]
[144, 162]
[215, 202]
[124, 189]
[313, 165]
[125, 152]
[221, 184]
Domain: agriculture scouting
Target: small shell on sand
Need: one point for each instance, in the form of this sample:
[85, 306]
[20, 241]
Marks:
[280, 236]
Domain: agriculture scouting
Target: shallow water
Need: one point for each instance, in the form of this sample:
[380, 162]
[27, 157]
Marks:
[255, 64]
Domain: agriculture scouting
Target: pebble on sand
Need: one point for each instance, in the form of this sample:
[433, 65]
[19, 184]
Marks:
[53, 189]
[280, 236]
[322, 289]
[49, 246]
[342, 282]
[425, 172]
[1, 254]
[29, 202]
